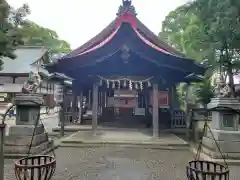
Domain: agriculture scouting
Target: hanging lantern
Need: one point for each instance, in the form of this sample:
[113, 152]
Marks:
[130, 85]
[125, 83]
[149, 84]
[100, 83]
[108, 83]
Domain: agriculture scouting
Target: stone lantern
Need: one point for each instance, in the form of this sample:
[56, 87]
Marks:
[224, 125]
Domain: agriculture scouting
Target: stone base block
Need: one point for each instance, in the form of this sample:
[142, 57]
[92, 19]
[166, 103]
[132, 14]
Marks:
[223, 135]
[230, 148]
[25, 130]
[23, 150]
[19, 140]
[23, 140]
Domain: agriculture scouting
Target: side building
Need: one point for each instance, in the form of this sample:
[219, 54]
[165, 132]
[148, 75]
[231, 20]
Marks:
[15, 72]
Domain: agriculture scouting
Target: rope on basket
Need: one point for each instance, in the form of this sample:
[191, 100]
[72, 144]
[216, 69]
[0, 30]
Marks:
[35, 127]
[206, 129]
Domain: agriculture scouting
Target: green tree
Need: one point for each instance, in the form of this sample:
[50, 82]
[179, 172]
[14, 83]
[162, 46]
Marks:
[221, 22]
[204, 92]
[184, 31]
[10, 20]
[208, 31]
[33, 34]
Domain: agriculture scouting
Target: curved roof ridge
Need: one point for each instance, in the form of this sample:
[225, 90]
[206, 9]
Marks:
[95, 40]
[152, 37]
[144, 30]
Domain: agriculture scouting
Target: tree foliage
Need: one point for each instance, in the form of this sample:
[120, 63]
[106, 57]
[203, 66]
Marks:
[207, 31]
[33, 35]
[16, 30]
[184, 31]
[221, 22]
[10, 20]
[204, 92]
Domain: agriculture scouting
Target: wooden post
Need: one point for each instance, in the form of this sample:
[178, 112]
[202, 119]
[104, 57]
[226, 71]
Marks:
[95, 109]
[80, 104]
[173, 96]
[173, 105]
[155, 111]
[105, 98]
[187, 114]
[74, 104]
[146, 96]
[62, 112]
[89, 100]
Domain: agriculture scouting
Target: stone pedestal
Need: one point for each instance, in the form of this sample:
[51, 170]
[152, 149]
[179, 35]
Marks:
[20, 135]
[225, 130]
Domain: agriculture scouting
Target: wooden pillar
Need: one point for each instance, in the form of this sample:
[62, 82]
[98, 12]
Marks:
[95, 109]
[65, 108]
[80, 104]
[74, 105]
[155, 111]
[173, 96]
[89, 100]
[187, 116]
[146, 96]
[105, 98]
[100, 101]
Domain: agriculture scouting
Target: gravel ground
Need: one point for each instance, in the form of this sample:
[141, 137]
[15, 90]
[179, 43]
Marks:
[108, 163]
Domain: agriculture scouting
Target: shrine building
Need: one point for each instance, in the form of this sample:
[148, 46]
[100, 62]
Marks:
[127, 74]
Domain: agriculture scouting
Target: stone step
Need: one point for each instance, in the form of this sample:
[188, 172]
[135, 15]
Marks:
[126, 144]
[12, 152]
[118, 145]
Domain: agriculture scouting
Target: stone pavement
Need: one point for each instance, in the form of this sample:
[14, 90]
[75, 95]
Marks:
[107, 163]
[120, 163]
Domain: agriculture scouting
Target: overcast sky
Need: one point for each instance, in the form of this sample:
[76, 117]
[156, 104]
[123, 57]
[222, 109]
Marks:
[76, 21]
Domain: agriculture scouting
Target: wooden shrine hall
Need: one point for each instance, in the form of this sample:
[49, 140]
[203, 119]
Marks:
[127, 73]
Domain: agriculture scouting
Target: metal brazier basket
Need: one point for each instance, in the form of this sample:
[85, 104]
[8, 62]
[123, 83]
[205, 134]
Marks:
[204, 170]
[40, 167]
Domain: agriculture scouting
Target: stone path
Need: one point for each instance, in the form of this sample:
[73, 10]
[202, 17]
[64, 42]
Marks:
[119, 164]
